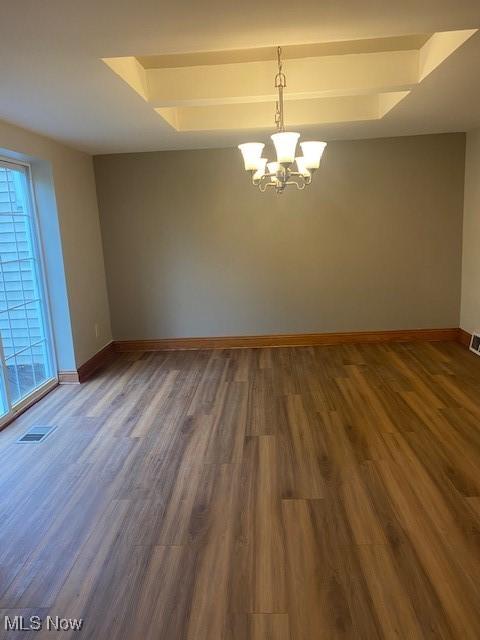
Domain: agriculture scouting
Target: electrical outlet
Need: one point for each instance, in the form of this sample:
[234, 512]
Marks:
[97, 330]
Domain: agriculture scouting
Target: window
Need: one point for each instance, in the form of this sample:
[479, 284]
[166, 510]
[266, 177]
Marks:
[26, 345]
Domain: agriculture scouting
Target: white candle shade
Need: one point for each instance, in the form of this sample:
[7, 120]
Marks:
[272, 167]
[301, 166]
[261, 162]
[312, 153]
[285, 145]
[251, 152]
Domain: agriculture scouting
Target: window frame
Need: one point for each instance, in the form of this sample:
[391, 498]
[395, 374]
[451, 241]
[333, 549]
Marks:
[45, 387]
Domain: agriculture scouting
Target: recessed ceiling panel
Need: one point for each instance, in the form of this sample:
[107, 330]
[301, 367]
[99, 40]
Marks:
[326, 82]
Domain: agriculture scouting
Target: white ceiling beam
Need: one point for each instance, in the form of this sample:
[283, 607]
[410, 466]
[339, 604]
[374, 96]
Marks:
[339, 75]
[299, 112]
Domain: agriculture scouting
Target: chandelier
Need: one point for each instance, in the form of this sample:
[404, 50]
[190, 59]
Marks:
[281, 173]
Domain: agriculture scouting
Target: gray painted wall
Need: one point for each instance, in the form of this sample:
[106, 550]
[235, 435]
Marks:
[191, 249]
[470, 311]
[65, 187]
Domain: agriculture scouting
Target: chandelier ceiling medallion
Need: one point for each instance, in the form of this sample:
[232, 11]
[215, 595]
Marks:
[281, 173]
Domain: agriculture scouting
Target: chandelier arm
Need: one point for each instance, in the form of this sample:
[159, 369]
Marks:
[307, 179]
[298, 180]
[263, 186]
[287, 178]
[300, 186]
[262, 179]
[271, 176]
[303, 178]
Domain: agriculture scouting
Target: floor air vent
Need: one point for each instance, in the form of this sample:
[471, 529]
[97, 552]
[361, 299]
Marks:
[475, 343]
[36, 434]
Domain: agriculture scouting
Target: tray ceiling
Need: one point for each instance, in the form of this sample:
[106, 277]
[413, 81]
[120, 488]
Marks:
[326, 82]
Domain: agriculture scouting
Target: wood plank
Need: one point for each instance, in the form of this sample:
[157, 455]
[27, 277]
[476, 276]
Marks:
[259, 557]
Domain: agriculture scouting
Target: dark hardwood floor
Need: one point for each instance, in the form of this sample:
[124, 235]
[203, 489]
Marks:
[257, 494]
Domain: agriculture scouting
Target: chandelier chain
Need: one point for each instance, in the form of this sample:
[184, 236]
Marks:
[280, 84]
